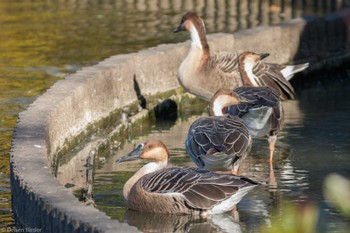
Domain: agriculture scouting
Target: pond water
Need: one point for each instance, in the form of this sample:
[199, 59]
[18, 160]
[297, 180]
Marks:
[42, 41]
[314, 142]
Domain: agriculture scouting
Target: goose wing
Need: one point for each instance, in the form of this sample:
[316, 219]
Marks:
[199, 189]
[225, 137]
[261, 111]
[269, 74]
[259, 95]
[266, 99]
[252, 98]
[226, 62]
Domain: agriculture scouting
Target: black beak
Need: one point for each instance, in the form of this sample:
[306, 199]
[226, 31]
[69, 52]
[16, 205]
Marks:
[133, 155]
[179, 28]
[263, 55]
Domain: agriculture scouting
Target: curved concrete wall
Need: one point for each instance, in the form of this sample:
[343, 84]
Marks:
[91, 94]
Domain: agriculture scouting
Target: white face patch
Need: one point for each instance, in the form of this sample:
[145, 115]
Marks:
[219, 103]
[217, 108]
[248, 67]
[223, 101]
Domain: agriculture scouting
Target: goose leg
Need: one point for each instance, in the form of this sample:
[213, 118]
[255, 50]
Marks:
[235, 214]
[236, 173]
[272, 180]
[235, 170]
[272, 142]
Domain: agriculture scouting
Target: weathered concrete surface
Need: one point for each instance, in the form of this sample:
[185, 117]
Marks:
[66, 109]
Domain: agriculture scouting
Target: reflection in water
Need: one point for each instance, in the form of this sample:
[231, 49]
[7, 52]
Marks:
[312, 144]
[71, 171]
[150, 222]
[292, 180]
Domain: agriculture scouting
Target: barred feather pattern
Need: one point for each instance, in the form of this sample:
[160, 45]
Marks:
[255, 99]
[217, 142]
[186, 190]
[203, 73]
[270, 75]
[226, 62]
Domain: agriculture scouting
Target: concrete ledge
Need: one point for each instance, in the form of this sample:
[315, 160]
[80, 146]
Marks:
[81, 99]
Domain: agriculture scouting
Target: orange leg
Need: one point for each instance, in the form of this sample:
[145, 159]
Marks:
[272, 142]
[235, 170]
[235, 214]
[236, 173]
[272, 180]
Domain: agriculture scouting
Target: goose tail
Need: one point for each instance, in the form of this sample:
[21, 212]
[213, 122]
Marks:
[289, 71]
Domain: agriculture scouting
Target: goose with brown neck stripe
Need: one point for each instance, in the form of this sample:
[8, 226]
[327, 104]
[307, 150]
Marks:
[179, 190]
[220, 141]
[202, 73]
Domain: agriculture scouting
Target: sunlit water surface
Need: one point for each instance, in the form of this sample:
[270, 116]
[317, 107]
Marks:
[43, 41]
[313, 143]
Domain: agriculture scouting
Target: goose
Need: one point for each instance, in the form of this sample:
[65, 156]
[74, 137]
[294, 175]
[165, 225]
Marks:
[219, 141]
[262, 111]
[202, 73]
[158, 188]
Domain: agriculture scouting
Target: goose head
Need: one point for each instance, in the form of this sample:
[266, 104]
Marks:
[153, 150]
[250, 59]
[195, 25]
[221, 100]
[247, 61]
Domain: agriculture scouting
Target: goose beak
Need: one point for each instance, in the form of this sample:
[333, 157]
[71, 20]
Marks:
[133, 155]
[263, 55]
[179, 28]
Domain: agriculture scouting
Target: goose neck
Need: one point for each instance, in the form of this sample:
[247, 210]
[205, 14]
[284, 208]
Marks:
[247, 75]
[199, 38]
[148, 168]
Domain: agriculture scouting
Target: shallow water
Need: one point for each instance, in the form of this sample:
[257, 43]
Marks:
[313, 143]
[42, 41]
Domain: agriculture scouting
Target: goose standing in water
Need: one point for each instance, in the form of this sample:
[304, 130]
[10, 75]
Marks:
[202, 73]
[262, 113]
[262, 110]
[175, 190]
[220, 141]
